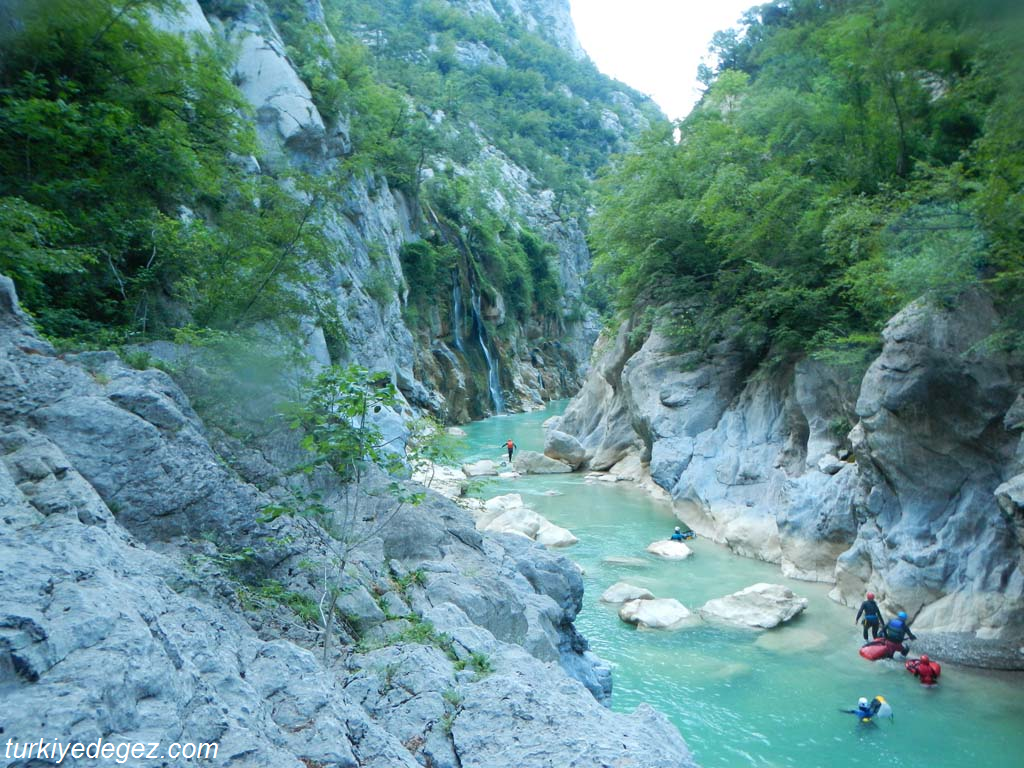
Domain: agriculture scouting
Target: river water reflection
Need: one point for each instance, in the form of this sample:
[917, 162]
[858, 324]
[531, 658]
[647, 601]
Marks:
[745, 698]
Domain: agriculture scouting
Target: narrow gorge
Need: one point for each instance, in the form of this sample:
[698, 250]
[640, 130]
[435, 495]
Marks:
[260, 258]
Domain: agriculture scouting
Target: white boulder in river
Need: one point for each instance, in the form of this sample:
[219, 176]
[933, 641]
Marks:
[760, 606]
[480, 468]
[623, 592]
[656, 613]
[508, 514]
[670, 550]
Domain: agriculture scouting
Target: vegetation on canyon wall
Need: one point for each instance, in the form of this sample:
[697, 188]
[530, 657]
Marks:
[128, 209]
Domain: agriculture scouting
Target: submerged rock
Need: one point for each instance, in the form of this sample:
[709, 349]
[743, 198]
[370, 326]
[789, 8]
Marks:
[760, 606]
[623, 592]
[792, 640]
[623, 561]
[670, 550]
[655, 613]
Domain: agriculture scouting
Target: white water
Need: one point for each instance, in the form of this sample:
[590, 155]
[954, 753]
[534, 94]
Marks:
[493, 381]
[456, 311]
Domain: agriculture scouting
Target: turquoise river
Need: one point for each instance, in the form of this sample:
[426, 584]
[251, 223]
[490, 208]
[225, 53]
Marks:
[746, 698]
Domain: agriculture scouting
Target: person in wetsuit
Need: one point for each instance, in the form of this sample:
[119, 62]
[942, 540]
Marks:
[896, 631]
[872, 617]
[865, 710]
[924, 670]
[680, 535]
[511, 447]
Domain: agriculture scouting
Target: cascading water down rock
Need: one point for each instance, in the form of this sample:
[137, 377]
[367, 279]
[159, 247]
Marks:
[493, 382]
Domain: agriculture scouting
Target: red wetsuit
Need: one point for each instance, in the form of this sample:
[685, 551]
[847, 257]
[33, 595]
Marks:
[927, 671]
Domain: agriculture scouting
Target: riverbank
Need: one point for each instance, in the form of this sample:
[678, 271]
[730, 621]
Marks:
[743, 697]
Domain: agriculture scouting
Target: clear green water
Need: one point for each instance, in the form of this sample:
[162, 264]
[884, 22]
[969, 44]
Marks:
[743, 698]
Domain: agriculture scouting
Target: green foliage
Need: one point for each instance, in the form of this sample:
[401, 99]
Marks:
[123, 207]
[414, 578]
[839, 166]
[336, 419]
[427, 267]
[510, 258]
[542, 107]
[273, 591]
[429, 444]
[29, 250]
[476, 661]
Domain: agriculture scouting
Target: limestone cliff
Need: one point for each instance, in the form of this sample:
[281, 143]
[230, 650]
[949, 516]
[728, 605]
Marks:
[145, 599]
[465, 358]
[904, 479]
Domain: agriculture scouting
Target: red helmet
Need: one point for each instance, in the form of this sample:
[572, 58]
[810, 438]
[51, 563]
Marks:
[924, 657]
[871, 595]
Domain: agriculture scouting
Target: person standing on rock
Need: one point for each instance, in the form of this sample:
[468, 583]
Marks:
[511, 447]
[872, 617]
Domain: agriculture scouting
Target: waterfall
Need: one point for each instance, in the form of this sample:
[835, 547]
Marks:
[457, 311]
[493, 383]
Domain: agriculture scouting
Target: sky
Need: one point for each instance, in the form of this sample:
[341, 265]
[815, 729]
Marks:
[654, 45]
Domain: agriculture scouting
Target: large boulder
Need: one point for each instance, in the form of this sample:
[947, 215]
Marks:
[760, 606]
[564, 447]
[655, 613]
[508, 514]
[623, 592]
[534, 463]
[670, 550]
[481, 468]
[540, 725]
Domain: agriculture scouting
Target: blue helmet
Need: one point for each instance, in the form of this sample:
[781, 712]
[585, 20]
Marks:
[902, 614]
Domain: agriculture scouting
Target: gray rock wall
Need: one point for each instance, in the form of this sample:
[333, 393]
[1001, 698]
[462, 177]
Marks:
[134, 571]
[933, 446]
[367, 228]
[904, 480]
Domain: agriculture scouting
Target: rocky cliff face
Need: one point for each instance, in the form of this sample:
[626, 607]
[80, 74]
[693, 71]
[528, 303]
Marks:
[902, 481]
[143, 592]
[444, 365]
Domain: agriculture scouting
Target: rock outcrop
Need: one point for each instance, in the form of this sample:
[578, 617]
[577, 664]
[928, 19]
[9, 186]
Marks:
[534, 463]
[655, 613]
[669, 550]
[508, 514]
[759, 606]
[146, 602]
[904, 479]
[623, 592]
[934, 446]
